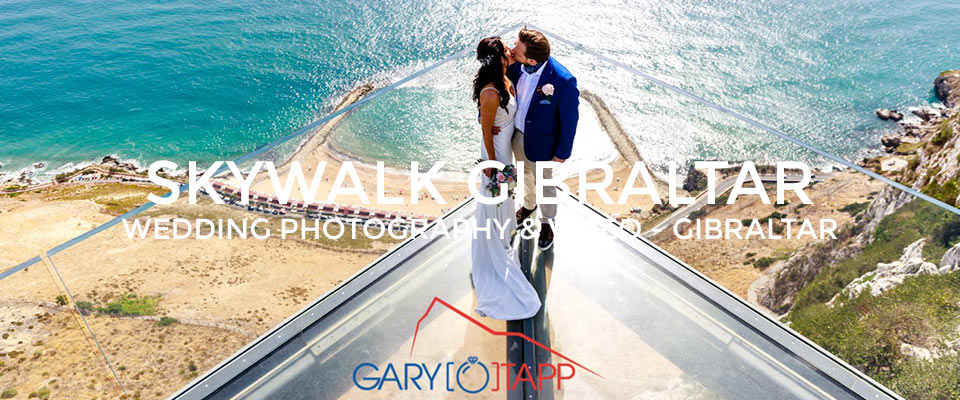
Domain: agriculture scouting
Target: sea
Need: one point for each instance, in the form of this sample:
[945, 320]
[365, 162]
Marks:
[213, 80]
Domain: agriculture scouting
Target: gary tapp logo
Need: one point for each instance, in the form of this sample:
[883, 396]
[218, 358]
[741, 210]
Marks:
[470, 376]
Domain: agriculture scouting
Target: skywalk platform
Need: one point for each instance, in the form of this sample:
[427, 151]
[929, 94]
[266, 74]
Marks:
[632, 320]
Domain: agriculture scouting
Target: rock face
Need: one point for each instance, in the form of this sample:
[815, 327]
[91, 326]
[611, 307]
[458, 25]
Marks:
[890, 275]
[784, 279]
[951, 260]
[948, 87]
[916, 352]
[777, 289]
[887, 114]
[890, 141]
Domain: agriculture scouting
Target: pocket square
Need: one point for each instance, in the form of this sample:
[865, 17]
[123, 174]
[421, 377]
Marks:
[544, 101]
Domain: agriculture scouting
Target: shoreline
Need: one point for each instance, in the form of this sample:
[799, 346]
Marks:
[316, 146]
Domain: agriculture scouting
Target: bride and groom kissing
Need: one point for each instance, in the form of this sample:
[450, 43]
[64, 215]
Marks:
[528, 104]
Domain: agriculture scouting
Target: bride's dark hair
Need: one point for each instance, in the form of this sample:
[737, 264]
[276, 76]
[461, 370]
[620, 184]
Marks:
[490, 53]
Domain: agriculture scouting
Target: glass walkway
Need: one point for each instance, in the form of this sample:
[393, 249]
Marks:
[632, 320]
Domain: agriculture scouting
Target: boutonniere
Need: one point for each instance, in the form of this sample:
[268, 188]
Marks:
[547, 91]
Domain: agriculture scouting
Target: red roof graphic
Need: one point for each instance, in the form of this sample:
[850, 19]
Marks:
[492, 332]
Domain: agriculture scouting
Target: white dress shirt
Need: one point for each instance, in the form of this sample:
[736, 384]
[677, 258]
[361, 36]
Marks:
[526, 87]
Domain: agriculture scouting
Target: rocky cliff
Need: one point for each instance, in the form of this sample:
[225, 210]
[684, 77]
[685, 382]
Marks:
[948, 87]
[926, 154]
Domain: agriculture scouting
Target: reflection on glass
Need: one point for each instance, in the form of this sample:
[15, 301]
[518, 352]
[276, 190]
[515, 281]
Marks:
[376, 327]
[616, 309]
[648, 333]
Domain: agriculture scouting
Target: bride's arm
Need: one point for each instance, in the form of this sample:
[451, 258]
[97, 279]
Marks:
[489, 101]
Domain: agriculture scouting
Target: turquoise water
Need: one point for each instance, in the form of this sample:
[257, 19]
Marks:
[187, 80]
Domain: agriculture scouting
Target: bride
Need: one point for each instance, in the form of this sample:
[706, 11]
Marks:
[503, 291]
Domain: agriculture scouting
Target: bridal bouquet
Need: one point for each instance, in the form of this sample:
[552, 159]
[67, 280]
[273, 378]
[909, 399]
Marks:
[506, 176]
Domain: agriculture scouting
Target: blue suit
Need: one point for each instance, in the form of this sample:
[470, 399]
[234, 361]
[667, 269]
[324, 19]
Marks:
[551, 121]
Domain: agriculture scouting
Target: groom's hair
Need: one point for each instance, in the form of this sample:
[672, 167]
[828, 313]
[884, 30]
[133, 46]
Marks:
[538, 47]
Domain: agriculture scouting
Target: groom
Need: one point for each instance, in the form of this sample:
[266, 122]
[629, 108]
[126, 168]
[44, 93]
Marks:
[546, 121]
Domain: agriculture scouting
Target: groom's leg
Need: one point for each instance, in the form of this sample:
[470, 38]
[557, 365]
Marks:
[529, 178]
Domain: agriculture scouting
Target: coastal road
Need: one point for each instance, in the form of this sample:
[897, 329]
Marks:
[722, 187]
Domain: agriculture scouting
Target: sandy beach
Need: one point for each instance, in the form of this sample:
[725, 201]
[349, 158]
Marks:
[452, 186]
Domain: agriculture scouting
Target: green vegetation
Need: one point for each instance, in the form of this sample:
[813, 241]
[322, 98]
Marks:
[42, 394]
[911, 222]
[867, 332]
[948, 72]
[854, 208]
[939, 379]
[773, 215]
[8, 393]
[62, 300]
[764, 262]
[946, 192]
[116, 198]
[697, 214]
[908, 148]
[944, 133]
[166, 321]
[84, 306]
[132, 305]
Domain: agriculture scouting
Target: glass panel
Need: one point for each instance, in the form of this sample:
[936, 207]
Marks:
[889, 245]
[45, 349]
[377, 325]
[647, 333]
[167, 310]
[650, 335]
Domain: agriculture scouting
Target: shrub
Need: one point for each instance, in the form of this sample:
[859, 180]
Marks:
[166, 321]
[84, 306]
[61, 300]
[696, 180]
[773, 215]
[944, 134]
[132, 305]
[938, 379]
[867, 332]
[947, 192]
[8, 393]
[854, 208]
[764, 262]
[42, 394]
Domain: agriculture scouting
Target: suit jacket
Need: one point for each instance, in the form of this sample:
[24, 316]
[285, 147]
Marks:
[551, 121]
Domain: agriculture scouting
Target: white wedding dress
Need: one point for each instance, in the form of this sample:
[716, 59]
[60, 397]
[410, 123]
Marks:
[503, 292]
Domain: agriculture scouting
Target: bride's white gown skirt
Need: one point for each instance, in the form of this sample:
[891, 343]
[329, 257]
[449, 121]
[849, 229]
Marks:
[503, 292]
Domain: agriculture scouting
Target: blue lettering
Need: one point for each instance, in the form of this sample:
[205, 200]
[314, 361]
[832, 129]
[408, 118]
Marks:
[407, 378]
[376, 380]
[431, 376]
[395, 378]
[449, 389]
